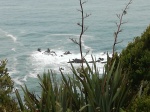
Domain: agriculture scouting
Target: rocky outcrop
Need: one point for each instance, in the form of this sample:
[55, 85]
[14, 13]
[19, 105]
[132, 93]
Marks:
[77, 61]
[39, 49]
[67, 52]
[53, 53]
[49, 52]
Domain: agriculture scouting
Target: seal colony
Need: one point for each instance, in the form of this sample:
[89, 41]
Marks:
[76, 60]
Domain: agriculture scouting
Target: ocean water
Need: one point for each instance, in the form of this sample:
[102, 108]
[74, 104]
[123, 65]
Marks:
[26, 25]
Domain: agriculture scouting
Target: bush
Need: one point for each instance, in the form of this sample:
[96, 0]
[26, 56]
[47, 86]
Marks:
[7, 104]
[136, 58]
[141, 103]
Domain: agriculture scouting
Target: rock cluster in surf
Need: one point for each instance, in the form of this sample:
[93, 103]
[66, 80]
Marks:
[53, 53]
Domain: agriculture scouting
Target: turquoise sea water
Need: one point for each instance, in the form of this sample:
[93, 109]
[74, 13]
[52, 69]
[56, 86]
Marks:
[26, 25]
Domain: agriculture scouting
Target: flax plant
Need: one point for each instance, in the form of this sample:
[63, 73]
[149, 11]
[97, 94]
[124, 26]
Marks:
[104, 94]
[47, 102]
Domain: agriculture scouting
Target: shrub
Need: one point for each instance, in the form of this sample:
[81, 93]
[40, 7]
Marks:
[141, 103]
[136, 58]
[7, 104]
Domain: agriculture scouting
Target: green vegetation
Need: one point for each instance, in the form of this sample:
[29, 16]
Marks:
[136, 58]
[86, 92]
[7, 104]
[141, 102]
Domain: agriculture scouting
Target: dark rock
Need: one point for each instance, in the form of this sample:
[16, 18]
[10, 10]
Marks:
[101, 59]
[98, 61]
[61, 68]
[91, 61]
[94, 61]
[53, 52]
[39, 49]
[77, 61]
[67, 52]
[48, 50]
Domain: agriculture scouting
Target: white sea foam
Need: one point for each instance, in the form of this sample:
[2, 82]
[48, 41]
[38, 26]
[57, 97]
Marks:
[13, 49]
[42, 61]
[12, 36]
[12, 71]
[33, 75]
[12, 67]
[25, 78]
[86, 47]
[17, 80]
[20, 80]
[9, 35]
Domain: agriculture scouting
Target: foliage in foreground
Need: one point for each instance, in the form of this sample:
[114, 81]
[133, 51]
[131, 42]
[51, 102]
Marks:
[136, 58]
[7, 104]
[141, 102]
[87, 91]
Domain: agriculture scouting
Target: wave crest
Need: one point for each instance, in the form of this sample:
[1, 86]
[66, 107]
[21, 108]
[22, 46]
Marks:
[14, 38]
